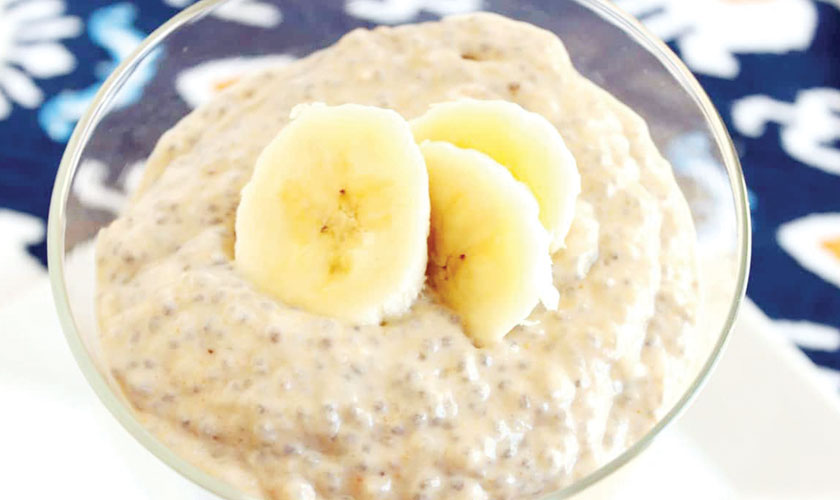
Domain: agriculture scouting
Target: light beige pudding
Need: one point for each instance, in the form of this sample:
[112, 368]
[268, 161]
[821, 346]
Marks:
[288, 404]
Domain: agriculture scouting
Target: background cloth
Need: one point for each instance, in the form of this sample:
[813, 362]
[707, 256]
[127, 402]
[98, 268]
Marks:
[772, 68]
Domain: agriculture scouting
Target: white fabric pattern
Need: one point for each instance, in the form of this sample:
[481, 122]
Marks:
[91, 189]
[813, 336]
[399, 11]
[18, 269]
[250, 12]
[709, 33]
[30, 49]
[199, 84]
[807, 240]
[809, 126]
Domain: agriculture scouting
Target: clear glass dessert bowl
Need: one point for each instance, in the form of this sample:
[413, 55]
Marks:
[209, 45]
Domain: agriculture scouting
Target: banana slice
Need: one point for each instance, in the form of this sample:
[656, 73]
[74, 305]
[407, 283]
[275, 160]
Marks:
[488, 252]
[524, 142]
[336, 216]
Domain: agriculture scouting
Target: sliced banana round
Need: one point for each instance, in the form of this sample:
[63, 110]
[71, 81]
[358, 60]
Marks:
[488, 252]
[336, 215]
[524, 142]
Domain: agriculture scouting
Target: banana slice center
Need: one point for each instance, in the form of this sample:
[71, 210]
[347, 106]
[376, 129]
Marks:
[341, 228]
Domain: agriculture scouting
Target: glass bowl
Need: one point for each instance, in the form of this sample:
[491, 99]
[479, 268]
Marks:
[209, 44]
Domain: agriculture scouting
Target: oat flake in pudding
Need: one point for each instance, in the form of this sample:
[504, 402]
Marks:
[289, 405]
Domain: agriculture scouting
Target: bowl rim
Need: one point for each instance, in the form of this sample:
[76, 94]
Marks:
[116, 406]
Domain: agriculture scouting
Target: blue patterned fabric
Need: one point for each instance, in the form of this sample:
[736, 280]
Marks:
[771, 67]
